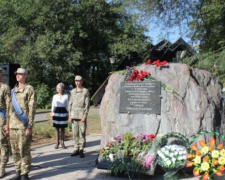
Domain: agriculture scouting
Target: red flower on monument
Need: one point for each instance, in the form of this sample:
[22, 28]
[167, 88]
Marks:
[148, 62]
[138, 75]
[163, 63]
[157, 63]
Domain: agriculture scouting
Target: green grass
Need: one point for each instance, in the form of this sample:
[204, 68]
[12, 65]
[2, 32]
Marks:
[46, 130]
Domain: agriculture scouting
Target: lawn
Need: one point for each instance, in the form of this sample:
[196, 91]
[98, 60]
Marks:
[43, 132]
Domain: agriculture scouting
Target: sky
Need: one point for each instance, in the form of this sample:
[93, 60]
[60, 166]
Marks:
[158, 34]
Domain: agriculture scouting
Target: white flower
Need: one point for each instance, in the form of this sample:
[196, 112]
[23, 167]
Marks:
[168, 162]
[173, 159]
[111, 157]
[167, 152]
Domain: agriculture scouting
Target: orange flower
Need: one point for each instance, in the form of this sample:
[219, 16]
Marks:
[205, 176]
[198, 153]
[214, 162]
[210, 148]
[102, 150]
[190, 164]
[194, 147]
[219, 173]
[196, 172]
[206, 159]
[212, 141]
[189, 156]
[220, 146]
[202, 143]
[221, 168]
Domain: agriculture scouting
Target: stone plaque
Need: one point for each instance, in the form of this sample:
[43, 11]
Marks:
[141, 97]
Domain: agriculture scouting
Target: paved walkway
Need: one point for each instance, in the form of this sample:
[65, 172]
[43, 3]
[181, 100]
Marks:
[51, 164]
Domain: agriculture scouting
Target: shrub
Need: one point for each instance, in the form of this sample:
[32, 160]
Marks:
[43, 97]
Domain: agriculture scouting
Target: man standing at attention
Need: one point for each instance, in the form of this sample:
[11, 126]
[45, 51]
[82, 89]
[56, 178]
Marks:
[20, 124]
[4, 115]
[78, 110]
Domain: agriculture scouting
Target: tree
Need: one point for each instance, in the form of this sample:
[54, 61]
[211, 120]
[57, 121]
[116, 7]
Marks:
[205, 19]
[57, 39]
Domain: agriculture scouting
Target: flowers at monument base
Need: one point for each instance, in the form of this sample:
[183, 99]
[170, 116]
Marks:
[126, 147]
[207, 160]
[171, 156]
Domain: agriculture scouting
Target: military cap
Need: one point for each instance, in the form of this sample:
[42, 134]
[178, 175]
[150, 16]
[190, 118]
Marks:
[78, 78]
[21, 71]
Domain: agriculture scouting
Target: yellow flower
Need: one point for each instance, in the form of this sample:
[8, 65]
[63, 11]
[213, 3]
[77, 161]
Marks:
[221, 160]
[205, 150]
[222, 152]
[215, 154]
[205, 166]
[197, 160]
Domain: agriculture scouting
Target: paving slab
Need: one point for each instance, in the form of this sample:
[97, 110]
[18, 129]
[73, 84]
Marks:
[57, 164]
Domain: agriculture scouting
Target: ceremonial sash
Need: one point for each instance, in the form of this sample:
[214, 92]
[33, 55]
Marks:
[2, 113]
[18, 109]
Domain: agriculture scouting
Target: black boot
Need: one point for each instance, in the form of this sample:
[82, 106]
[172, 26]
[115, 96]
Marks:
[17, 176]
[81, 154]
[75, 153]
[25, 177]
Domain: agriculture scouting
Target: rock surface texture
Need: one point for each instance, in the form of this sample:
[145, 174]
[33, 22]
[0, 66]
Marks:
[196, 106]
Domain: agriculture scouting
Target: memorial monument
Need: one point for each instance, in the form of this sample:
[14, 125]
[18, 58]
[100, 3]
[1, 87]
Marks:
[181, 99]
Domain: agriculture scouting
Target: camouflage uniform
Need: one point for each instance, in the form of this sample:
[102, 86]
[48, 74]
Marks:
[20, 143]
[4, 105]
[78, 108]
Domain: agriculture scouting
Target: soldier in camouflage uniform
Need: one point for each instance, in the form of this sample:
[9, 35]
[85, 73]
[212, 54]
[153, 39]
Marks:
[78, 110]
[4, 116]
[20, 133]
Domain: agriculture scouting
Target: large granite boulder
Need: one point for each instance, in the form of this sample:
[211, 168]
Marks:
[197, 106]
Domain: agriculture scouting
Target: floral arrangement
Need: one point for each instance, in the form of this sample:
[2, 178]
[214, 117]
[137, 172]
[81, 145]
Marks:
[171, 156]
[158, 63]
[136, 75]
[123, 152]
[129, 145]
[207, 160]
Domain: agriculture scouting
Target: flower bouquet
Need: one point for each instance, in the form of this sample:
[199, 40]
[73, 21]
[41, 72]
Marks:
[172, 157]
[207, 159]
[122, 152]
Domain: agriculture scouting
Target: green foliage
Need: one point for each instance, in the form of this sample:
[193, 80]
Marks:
[57, 39]
[43, 98]
[212, 61]
[202, 20]
[44, 129]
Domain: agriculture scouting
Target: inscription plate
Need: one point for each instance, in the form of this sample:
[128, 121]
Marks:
[141, 97]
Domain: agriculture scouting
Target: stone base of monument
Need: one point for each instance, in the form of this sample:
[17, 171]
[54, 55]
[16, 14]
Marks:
[105, 165]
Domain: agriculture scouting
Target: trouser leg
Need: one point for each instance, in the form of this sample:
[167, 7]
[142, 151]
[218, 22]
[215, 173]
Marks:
[20, 145]
[75, 129]
[4, 149]
[82, 135]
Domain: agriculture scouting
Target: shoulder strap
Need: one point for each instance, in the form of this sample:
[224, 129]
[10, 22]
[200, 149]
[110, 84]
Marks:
[18, 109]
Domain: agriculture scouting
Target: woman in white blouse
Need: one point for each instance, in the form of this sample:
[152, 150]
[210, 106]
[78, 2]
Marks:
[59, 113]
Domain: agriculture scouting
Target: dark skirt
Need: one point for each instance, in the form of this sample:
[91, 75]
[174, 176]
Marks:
[60, 116]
